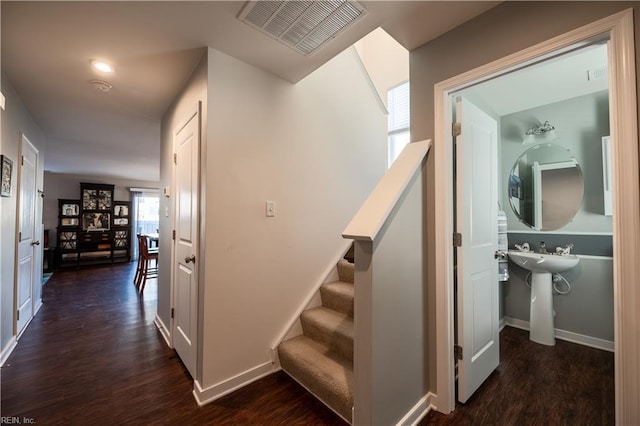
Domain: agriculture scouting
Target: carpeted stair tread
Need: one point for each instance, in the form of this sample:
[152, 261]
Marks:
[338, 296]
[345, 271]
[322, 371]
[331, 328]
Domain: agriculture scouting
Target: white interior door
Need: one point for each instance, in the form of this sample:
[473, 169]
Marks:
[185, 322]
[28, 238]
[477, 270]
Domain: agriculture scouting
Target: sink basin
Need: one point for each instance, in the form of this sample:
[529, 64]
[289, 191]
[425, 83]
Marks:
[541, 309]
[538, 262]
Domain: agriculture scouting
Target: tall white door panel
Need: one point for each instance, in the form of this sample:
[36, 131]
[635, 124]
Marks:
[477, 270]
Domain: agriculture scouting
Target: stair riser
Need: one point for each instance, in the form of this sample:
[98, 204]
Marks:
[321, 359]
[340, 343]
[322, 387]
[337, 301]
[345, 271]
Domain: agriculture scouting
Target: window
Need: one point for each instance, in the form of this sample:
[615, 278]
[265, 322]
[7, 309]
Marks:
[147, 214]
[398, 121]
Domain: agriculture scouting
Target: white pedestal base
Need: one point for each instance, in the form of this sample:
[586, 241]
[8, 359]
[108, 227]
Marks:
[541, 313]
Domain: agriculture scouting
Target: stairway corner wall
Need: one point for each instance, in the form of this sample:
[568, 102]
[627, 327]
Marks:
[390, 353]
[316, 153]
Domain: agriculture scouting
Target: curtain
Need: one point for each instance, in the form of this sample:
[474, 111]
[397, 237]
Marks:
[135, 195]
[145, 214]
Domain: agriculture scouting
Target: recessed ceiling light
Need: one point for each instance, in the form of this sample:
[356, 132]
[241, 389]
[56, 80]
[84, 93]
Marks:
[101, 66]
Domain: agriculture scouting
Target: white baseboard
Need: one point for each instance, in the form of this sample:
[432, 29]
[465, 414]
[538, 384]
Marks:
[417, 413]
[36, 308]
[502, 323]
[7, 350]
[569, 336]
[164, 331]
[205, 396]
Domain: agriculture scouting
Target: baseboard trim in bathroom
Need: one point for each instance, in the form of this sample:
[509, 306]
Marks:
[581, 339]
[502, 324]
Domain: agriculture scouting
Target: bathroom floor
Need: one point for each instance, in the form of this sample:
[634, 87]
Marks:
[536, 384]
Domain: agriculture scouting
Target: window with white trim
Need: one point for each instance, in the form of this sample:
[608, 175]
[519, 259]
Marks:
[398, 121]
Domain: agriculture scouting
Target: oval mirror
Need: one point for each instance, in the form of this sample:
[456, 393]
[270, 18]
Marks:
[546, 187]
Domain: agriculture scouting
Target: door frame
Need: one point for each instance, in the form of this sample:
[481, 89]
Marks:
[619, 30]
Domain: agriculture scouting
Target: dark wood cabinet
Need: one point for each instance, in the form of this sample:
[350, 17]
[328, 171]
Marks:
[93, 229]
[68, 229]
[121, 227]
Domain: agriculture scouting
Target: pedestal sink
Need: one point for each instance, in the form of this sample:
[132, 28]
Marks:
[541, 267]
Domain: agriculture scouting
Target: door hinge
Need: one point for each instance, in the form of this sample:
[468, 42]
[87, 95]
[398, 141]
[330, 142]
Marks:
[175, 158]
[18, 315]
[173, 311]
[457, 239]
[173, 234]
[456, 129]
[457, 352]
[22, 160]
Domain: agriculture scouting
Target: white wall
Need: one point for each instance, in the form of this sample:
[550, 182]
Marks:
[195, 90]
[61, 185]
[387, 62]
[390, 369]
[15, 120]
[317, 149]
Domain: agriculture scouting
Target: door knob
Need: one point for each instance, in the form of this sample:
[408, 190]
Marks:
[191, 258]
[35, 243]
[500, 255]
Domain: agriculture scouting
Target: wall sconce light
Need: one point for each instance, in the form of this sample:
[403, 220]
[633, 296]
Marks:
[546, 129]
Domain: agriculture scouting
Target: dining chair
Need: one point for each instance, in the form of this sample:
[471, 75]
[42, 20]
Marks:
[145, 269]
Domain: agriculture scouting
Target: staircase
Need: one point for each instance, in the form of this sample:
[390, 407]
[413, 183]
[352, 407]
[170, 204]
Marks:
[321, 359]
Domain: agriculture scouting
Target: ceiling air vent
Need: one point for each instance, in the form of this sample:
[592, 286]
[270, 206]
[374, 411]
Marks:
[305, 26]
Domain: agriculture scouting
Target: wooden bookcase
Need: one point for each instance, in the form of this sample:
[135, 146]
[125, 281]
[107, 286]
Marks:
[89, 231]
[121, 225]
[67, 232]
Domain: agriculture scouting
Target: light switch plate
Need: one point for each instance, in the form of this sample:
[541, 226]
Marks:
[270, 208]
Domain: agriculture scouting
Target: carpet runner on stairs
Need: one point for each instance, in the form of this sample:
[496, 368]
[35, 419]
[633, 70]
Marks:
[321, 359]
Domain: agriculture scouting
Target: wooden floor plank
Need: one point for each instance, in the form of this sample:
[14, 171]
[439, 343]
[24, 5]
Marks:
[93, 356]
[566, 384]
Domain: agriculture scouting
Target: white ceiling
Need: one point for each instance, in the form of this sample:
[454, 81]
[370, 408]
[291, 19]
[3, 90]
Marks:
[154, 46]
[554, 80]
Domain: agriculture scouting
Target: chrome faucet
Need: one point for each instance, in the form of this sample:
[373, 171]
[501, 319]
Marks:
[564, 250]
[543, 248]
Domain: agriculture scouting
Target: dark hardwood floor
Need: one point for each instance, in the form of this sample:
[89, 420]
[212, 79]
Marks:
[93, 356]
[566, 384]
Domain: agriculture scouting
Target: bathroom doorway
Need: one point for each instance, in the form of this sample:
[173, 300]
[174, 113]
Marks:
[545, 173]
[616, 33]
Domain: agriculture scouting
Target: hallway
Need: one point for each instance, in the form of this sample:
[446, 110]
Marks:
[93, 355]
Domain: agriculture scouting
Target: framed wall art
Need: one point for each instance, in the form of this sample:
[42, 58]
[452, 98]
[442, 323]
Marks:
[7, 171]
